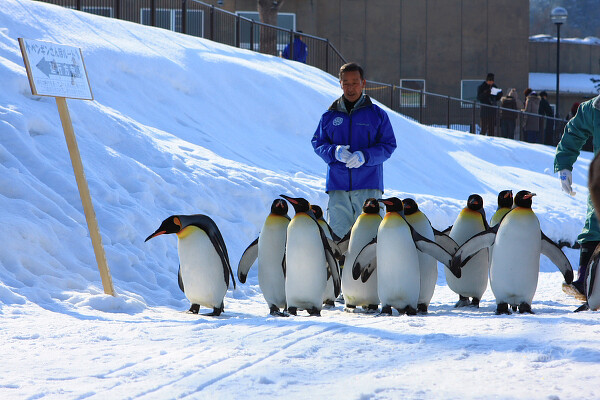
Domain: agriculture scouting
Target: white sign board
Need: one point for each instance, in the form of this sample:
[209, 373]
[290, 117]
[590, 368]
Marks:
[55, 70]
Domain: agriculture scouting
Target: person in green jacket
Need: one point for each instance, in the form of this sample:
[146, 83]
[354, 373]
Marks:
[584, 124]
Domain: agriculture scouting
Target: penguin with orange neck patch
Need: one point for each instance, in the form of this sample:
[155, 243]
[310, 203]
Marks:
[309, 261]
[204, 268]
[518, 243]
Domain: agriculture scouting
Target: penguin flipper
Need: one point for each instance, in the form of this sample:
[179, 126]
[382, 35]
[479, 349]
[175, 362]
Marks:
[337, 253]
[471, 247]
[247, 261]
[180, 280]
[365, 260]
[445, 241]
[344, 242]
[556, 255]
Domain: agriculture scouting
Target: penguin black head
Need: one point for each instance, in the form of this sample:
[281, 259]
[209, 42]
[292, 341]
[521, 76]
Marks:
[393, 204]
[318, 211]
[410, 206]
[300, 205]
[475, 202]
[279, 207]
[371, 206]
[169, 225]
[505, 199]
[524, 199]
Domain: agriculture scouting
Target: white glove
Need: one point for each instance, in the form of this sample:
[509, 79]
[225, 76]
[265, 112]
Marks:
[566, 180]
[342, 154]
[356, 160]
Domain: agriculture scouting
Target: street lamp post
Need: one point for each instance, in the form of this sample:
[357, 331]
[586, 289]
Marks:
[558, 17]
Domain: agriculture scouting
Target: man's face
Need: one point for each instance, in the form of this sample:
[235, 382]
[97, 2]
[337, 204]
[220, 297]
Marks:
[352, 85]
[490, 82]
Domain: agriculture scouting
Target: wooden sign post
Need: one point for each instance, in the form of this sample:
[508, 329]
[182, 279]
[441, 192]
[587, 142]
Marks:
[58, 71]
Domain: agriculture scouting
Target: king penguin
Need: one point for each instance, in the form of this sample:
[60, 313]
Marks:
[427, 264]
[269, 248]
[505, 204]
[329, 293]
[309, 261]
[592, 286]
[356, 292]
[518, 243]
[204, 267]
[474, 276]
[394, 253]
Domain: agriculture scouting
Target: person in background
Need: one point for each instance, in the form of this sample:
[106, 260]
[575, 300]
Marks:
[573, 111]
[531, 124]
[488, 95]
[585, 124]
[300, 50]
[508, 118]
[546, 110]
[354, 137]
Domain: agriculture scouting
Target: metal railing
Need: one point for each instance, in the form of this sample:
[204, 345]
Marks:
[200, 19]
[467, 116]
[196, 18]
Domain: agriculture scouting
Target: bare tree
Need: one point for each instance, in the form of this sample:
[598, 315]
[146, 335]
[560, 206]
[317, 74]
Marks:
[268, 10]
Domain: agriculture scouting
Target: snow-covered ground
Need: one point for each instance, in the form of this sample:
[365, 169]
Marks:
[181, 125]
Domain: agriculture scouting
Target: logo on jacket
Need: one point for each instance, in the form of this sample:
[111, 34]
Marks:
[338, 121]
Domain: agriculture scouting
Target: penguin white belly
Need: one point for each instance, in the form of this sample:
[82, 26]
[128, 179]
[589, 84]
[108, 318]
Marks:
[306, 274]
[398, 275]
[427, 264]
[516, 258]
[356, 292]
[473, 281]
[594, 297]
[271, 250]
[201, 269]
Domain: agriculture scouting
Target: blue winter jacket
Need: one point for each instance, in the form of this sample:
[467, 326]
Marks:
[367, 128]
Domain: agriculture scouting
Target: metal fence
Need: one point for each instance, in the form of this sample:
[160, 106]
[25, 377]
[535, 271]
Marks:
[200, 19]
[469, 116]
[196, 18]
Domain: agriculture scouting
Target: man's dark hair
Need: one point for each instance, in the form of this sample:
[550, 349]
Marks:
[352, 67]
[543, 93]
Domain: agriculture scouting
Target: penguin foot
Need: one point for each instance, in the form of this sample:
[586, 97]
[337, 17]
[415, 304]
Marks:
[329, 303]
[408, 310]
[584, 307]
[194, 309]
[371, 308]
[474, 303]
[503, 309]
[386, 310]
[525, 308]
[293, 310]
[514, 307]
[422, 308]
[274, 311]
[462, 302]
[350, 308]
[216, 311]
[314, 312]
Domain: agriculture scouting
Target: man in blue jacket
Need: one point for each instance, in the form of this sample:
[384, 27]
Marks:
[354, 138]
[300, 50]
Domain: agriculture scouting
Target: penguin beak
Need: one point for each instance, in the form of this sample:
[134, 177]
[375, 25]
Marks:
[386, 202]
[155, 234]
[290, 199]
[529, 195]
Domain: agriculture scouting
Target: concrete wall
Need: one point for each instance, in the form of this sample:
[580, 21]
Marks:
[441, 41]
[574, 58]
